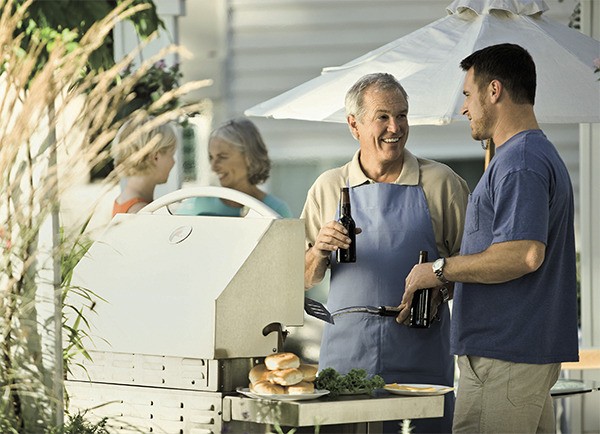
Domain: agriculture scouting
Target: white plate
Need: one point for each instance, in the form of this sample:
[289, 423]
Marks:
[417, 389]
[306, 396]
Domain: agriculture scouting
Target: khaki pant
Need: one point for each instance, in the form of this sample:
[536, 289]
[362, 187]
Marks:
[497, 397]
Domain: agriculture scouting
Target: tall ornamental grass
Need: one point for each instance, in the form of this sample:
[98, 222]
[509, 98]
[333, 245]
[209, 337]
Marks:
[56, 122]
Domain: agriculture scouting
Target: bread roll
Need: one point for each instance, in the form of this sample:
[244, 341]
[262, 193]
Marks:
[282, 361]
[258, 373]
[301, 388]
[309, 372]
[266, 388]
[286, 377]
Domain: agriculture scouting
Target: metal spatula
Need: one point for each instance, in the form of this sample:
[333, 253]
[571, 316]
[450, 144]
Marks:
[374, 310]
[316, 309]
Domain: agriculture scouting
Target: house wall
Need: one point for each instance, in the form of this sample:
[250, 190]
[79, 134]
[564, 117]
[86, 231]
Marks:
[257, 49]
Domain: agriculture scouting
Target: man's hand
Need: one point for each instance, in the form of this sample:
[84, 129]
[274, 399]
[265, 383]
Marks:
[420, 277]
[436, 300]
[331, 237]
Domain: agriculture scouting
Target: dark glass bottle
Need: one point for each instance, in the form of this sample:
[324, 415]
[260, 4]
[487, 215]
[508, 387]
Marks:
[420, 309]
[349, 254]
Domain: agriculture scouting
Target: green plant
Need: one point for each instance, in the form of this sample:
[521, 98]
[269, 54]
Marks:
[158, 80]
[355, 381]
[59, 20]
[78, 424]
[75, 326]
[53, 127]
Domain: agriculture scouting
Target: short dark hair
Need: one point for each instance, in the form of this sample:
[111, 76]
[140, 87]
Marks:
[510, 64]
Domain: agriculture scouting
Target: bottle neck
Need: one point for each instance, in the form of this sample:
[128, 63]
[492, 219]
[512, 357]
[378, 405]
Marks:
[345, 202]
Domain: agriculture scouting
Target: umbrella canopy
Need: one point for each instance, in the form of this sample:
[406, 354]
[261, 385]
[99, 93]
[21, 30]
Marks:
[426, 62]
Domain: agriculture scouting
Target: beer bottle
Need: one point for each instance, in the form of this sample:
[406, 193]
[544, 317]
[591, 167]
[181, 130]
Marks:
[349, 254]
[420, 309]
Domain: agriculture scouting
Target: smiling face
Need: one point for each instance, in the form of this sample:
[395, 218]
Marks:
[382, 130]
[476, 107]
[229, 163]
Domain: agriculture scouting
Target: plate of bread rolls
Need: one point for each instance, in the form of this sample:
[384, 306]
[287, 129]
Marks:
[282, 377]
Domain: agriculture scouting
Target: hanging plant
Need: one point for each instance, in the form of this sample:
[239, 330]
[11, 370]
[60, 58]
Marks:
[154, 83]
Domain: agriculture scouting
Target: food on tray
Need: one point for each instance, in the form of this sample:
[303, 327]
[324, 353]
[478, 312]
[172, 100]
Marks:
[267, 388]
[301, 388]
[309, 372]
[282, 361]
[286, 377]
[258, 373]
[355, 381]
[411, 388]
[284, 371]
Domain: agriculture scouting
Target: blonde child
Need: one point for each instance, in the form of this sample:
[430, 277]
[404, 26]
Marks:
[145, 154]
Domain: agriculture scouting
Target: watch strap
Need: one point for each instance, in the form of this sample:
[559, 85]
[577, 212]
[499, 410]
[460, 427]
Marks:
[445, 294]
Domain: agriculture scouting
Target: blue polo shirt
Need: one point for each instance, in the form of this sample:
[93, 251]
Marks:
[525, 194]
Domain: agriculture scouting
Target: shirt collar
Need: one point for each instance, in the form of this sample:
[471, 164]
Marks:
[408, 176]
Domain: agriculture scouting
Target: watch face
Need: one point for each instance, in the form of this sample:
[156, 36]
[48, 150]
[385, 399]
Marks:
[438, 269]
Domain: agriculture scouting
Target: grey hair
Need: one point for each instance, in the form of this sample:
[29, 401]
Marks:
[137, 141]
[355, 96]
[244, 136]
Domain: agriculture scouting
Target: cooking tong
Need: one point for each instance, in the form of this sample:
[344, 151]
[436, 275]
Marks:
[374, 310]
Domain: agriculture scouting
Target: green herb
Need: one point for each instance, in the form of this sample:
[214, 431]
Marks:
[355, 381]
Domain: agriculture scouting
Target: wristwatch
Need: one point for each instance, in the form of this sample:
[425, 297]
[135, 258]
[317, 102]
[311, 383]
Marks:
[438, 269]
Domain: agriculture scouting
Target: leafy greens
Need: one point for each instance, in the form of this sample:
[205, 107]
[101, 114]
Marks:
[355, 381]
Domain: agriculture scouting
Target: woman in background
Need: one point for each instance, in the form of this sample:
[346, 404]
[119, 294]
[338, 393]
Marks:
[146, 156]
[239, 157]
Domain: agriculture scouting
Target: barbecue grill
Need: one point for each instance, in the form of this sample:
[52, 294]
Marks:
[190, 304]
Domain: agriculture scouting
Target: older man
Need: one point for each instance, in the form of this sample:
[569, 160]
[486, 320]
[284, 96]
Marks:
[402, 204]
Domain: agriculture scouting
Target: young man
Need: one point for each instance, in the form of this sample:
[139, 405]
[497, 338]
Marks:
[515, 308]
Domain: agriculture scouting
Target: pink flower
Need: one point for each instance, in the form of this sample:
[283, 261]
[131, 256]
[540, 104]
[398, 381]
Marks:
[597, 64]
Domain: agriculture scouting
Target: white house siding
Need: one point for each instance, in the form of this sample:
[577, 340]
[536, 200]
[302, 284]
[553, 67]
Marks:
[265, 47]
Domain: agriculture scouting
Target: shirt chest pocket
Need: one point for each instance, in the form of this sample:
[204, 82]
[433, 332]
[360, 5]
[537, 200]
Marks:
[472, 215]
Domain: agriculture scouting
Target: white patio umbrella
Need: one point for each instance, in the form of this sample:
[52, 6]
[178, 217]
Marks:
[426, 62]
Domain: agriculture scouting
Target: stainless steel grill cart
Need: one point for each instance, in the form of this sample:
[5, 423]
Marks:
[192, 303]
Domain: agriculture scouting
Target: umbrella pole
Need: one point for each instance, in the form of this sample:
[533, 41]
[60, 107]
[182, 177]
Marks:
[490, 150]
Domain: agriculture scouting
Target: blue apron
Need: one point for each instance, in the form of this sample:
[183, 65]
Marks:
[396, 225]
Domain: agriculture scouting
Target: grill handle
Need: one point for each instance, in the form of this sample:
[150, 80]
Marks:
[211, 191]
